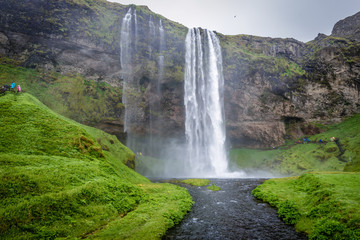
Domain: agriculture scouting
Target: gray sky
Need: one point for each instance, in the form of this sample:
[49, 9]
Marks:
[299, 19]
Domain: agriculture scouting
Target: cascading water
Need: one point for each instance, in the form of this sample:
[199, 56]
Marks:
[161, 57]
[151, 35]
[136, 28]
[125, 58]
[127, 43]
[203, 99]
[156, 41]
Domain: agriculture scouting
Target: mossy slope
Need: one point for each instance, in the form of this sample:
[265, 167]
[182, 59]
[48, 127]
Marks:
[297, 159]
[62, 179]
[324, 205]
[73, 96]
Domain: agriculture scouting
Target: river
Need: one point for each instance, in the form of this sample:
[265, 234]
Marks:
[231, 213]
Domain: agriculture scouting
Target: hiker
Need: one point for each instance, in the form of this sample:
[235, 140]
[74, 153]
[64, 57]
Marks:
[308, 140]
[12, 86]
[18, 88]
[3, 90]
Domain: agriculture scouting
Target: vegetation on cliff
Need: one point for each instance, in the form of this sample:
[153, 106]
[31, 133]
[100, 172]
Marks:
[73, 96]
[324, 205]
[60, 179]
[295, 159]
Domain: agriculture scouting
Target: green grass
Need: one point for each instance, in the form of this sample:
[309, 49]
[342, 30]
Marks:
[213, 187]
[323, 205]
[251, 158]
[301, 158]
[69, 95]
[60, 179]
[196, 182]
[165, 207]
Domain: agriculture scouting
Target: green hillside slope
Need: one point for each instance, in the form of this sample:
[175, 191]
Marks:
[324, 205]
[73, 96]
[60, 179]
[340, 155]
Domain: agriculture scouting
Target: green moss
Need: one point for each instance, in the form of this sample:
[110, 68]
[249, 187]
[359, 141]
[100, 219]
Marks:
[166, 207]
[70, 95]
[301, 158]
[56, 180]
[213, 187]
[323, 205]
[196, 182]
[251, 158]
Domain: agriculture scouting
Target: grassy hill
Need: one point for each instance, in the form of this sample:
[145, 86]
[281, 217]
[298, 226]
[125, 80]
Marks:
[73, 96]
[297, 159]
[60, 179]
[323, 205]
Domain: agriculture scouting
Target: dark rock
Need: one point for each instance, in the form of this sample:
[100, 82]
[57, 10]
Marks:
[348, 27]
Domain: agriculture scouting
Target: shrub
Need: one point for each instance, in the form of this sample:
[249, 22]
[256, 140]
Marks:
[329, 229]
[288, 212]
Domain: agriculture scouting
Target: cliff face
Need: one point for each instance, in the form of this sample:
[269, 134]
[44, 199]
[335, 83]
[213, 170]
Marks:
[348, 27]
[274, 88]
[279, 88]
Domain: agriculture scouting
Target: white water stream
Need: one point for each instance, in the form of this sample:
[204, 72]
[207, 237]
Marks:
[127, 36]
[203, 99]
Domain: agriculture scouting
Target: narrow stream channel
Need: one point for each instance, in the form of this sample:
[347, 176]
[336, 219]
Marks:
[231, 213]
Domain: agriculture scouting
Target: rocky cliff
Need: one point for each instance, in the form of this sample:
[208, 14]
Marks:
[274, 88]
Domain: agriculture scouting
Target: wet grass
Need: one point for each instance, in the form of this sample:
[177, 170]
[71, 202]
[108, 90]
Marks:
[324, 205]
[60, 179]
[213, 187]
[165, 206]
[297, 159]
[196, 182]
[72, 96]
[252, 158]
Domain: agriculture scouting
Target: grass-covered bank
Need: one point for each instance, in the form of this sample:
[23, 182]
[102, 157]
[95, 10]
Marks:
[324, 205]
[291, 159]
[70, 95]
[60, 179]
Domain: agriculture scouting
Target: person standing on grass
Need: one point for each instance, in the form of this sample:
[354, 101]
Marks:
[18, 88]
[12, 87]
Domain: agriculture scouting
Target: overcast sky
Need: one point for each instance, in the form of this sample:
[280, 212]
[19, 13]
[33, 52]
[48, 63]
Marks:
[299, 19]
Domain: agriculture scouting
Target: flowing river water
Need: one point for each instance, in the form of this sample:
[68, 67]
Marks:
[231, 213]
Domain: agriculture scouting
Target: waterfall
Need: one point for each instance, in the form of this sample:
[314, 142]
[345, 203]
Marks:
[127, 35]
[203, 99]
[161, 57]
[156, 40]
[136, 28]
[151, 35]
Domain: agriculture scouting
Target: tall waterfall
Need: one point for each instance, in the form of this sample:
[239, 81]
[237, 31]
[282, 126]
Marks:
[127, 36]
[203, 99]
[151, 35]
[161, 56]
